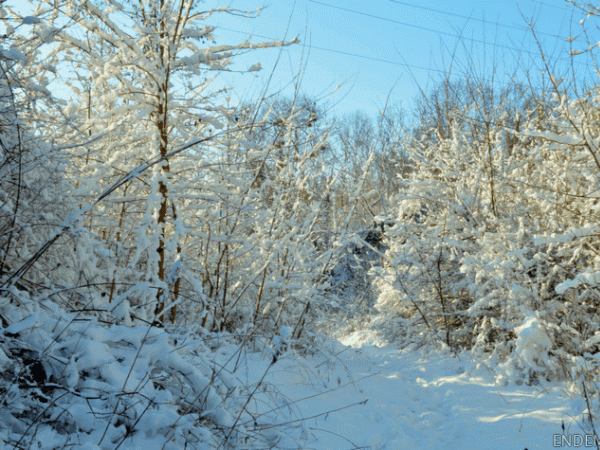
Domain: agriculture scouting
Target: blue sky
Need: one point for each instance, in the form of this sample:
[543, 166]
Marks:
[399, 45]
[394, 47]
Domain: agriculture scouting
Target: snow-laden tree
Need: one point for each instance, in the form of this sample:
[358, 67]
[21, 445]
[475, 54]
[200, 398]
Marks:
[357, 139]
[64, 232]
[254, 234]
[141, 76]
[491, 225]
[32, 172]
[495, 244]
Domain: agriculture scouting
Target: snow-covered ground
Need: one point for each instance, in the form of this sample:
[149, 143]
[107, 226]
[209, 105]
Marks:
[375, 396]
[143, 388]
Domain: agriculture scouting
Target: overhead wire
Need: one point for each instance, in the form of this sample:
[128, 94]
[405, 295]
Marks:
[421, 27]
[438, 32]
[387, 61]
[448, 13]
[551, 6]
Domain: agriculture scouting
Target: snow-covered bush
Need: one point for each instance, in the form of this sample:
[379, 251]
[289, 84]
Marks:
[69, 380]
[130, 204]
[497, 221]
[182, 207]
[33, 187]
[350, 294]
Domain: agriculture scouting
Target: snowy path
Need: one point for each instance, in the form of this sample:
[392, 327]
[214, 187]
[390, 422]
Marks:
[438, 403]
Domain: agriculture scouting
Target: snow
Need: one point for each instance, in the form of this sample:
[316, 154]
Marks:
[4, 361]
[22, 325]
[533, 342]
[556, 81]
[590, 279]
[30, 20]
[358, 391]
[13, 55]
[255, 68]
[375, 396]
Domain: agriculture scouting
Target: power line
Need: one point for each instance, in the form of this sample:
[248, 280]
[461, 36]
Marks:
[387, 61]
[514, 27]
[396, 63]
[551, 6]
[427, 29]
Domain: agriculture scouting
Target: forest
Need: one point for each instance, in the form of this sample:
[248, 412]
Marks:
[148, 227]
